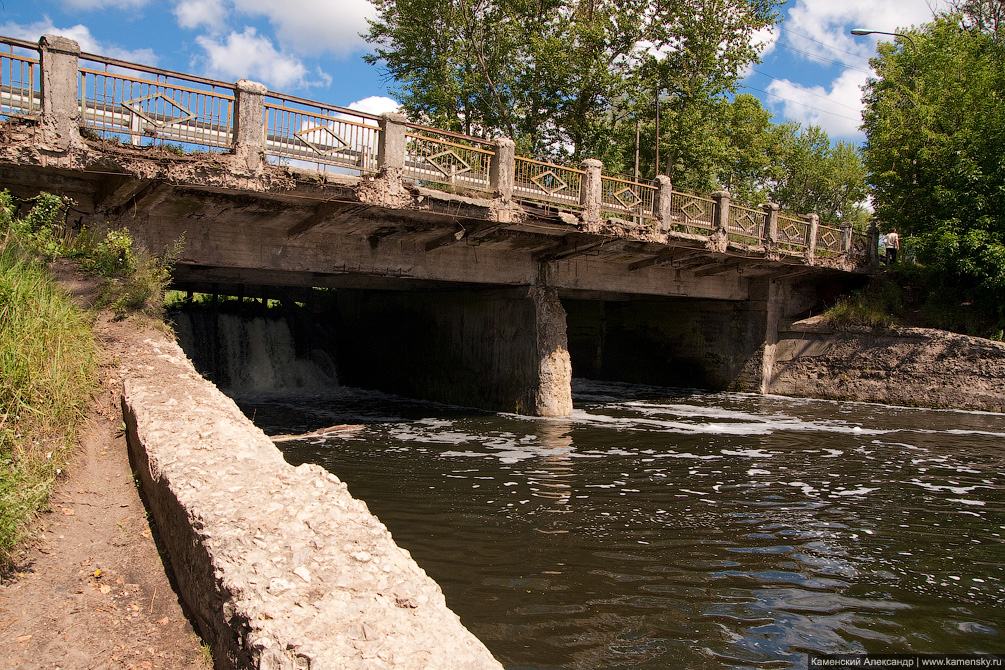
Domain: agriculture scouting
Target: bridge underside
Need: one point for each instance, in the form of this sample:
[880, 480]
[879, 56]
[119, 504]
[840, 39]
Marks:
[461, 299]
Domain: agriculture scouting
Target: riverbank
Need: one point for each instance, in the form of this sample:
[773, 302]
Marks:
[93, 592]
[915, 367]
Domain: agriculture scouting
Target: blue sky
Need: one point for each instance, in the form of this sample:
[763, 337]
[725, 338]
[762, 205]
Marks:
[811, 71]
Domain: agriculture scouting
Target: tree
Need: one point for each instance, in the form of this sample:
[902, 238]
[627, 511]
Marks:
[935, 122]
[564, 77]
[819, 176]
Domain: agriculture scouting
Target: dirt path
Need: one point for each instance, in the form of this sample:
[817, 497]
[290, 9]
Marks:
[94, 593]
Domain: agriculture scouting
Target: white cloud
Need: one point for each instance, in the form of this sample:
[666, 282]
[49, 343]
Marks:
[838, 111]
[375, 104]
[88, 5]
[197, 13]
[250, 56]
[80, 34]
[821, 27]
[312, 27]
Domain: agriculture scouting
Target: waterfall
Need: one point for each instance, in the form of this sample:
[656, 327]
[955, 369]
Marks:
[243, 353]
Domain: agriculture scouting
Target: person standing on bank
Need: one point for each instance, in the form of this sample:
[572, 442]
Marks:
[892, 246]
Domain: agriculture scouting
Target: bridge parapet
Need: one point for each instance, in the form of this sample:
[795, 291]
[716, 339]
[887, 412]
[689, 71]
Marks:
[116, 99]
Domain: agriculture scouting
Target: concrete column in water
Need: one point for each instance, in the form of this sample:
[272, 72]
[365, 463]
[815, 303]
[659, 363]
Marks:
[497, 349]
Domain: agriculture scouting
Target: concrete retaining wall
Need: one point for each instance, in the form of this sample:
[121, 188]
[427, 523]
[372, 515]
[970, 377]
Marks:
[898, 366]
[280, 567]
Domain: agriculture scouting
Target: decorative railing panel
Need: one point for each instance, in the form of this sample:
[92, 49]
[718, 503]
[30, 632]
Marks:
[119, 99]
[319, 135]
[828, 241]
[627, 199]
[20, 86]
[546, 182]
[438, 158]
[691, 214]
[746, 225]
[791, 233]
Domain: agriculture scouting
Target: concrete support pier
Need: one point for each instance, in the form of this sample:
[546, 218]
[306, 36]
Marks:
[497, 349]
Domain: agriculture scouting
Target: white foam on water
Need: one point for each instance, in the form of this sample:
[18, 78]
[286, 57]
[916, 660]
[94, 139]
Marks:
[965, 501]
[856, 492]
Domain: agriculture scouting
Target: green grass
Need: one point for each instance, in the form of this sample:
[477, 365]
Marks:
[912, 295]
[48, 368]
[48, 371]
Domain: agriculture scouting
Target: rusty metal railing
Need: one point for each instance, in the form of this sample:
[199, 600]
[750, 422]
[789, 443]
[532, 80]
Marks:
[124, 100]
[828, 241]
[746, 225]
[538, 181]
[691, 214]
[627, 199]
[438, 157]
[320, 136]
[20, 85]
[792, 233]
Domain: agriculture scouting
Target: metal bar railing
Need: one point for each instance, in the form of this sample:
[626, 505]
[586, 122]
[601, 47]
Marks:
[320, 135]
[538, 181]
[165, 107]
[791, 233]
[627, 199]
[746, 225]
[20, 84]
[432, 158]
[691, 214]
[828, 241]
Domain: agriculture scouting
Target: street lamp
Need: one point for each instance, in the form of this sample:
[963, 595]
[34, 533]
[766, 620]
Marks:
[866, 31]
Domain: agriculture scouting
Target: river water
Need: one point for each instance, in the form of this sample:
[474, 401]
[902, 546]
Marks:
[664, 528]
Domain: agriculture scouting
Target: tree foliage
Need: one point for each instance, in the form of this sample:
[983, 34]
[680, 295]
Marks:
[563, 77]
[935, 121]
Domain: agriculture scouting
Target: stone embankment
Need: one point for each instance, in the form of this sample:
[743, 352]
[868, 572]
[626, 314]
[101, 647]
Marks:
[280, 566]
[895, 366]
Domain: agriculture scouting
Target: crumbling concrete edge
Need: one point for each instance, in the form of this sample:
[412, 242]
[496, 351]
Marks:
[280, 567]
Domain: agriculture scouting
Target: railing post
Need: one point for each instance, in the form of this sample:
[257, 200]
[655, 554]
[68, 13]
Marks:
[503, 169]
[719, 238]
[664, 202]
[249, 122]
[812, 223]
[846, 241]
[60, 107]
[872, 253]
[771, 227]
[591, 193]
[391, 143]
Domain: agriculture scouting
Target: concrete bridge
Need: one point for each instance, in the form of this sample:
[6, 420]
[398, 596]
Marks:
[464, 272]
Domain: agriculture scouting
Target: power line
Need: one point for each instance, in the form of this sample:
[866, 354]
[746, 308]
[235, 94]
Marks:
[797, 102]
[806, 90]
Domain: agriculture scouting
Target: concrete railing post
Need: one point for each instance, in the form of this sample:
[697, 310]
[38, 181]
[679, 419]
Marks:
[846, 241]
[719, 238]
[391, 144]
[664, 202]
[771, 225]
[503, 169]
[591, 193]
[812, 224]
[249, 122]
[872, 253]
[60, 103]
